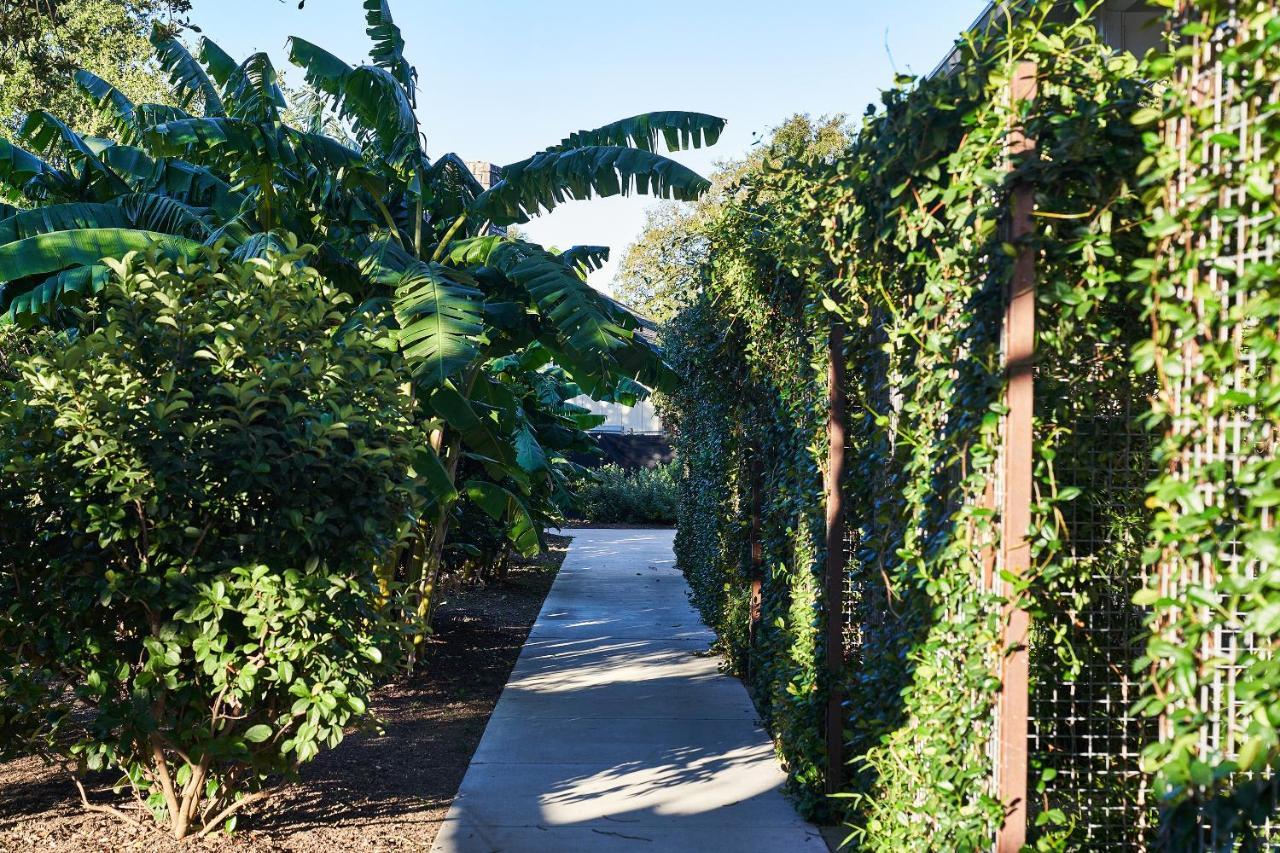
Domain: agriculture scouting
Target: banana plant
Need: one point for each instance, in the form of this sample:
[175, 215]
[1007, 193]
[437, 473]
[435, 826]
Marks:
[416, 240]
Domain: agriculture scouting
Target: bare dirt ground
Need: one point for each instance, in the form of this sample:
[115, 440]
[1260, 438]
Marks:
[375, 792]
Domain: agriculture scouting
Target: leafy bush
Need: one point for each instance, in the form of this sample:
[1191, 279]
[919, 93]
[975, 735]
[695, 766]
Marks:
[614, 495]
[197, 485]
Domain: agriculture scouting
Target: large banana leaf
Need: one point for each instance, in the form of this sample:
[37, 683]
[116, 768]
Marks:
[378, 106]
[259, 246]
[504, 506]
[126, 117]
[251, 91]
[374, 100]
[49, 136]
[581, 317]
[44, 254]
[585, 259]
[221, 139]
[530, 454]
[477, 432]
[441, 316]
[18, 167]
[453, 187]
[61, 217]
[591, 336]
[219, 63]
[140, 211]
[428, 469]
[321, 69]
[164, 215]
[246, 147]
[56, 288]
[440, 311]
[546, 180]
[195, 186]
[388, 46]
[474, 251]
[680, 131]
[111, 102]
[186, 75]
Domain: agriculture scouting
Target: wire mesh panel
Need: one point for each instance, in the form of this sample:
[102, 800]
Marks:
[1218, 436]
[1085, 741]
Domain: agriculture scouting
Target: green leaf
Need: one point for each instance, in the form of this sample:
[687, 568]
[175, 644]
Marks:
[441, 314]
[388, 46]
[49, 253]
[220, 64]
[585, 259]
[61, 217]
[111, 102]
[321, 69]
[379, 108]
[79, 280]
[427, 465]
[546, 180]
[258, 733]
[476, 433]
[529, 453]
[195, 186]
[585, 321]
[502, 505]
[251, 91]
[185, 73]
[50, 137]
[18, 167]
[679, 130]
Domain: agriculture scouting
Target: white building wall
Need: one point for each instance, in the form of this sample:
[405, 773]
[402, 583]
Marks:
[640, 418]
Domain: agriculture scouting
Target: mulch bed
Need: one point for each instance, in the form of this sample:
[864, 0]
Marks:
[375, 792]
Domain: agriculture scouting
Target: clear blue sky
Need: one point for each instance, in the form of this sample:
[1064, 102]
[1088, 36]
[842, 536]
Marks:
[501, 79]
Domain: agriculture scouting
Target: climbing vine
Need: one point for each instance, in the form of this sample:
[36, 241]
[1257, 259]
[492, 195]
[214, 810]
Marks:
[903, 238]
[1155, 474]
[1214, 302]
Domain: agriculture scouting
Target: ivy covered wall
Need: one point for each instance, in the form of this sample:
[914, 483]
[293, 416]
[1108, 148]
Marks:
[904, 238]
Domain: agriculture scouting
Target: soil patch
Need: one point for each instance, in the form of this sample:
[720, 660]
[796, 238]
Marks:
[376, 791]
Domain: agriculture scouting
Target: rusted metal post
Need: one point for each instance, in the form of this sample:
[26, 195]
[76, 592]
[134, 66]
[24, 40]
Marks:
[1015, 513]
[757, 557]
[834, 585]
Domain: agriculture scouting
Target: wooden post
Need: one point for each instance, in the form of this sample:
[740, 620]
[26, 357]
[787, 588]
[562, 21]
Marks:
[834, 585]
[757, 560]
[1015, 513]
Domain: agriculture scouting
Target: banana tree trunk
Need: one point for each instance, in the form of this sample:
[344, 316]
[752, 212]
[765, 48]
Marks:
[428, 556]
[435, 542]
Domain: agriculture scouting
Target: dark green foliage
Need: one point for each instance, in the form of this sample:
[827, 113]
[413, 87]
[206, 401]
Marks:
[611, 494]
[195, 484]
[463, 344]
[900, 238]
[1212, 297]
[751, 410]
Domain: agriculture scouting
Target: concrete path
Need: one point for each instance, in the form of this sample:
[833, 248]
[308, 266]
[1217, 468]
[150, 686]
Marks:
[617, 732]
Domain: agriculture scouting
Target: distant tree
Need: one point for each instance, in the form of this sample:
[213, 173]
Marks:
[44, 42]
[662, 271]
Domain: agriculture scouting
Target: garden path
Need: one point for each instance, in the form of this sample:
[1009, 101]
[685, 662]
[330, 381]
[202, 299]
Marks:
[617, 731]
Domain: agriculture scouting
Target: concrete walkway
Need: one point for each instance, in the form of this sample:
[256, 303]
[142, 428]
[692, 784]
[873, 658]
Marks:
[617, 732]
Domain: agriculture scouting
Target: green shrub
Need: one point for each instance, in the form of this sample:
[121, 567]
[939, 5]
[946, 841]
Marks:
[195, 488]
[614, 495]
